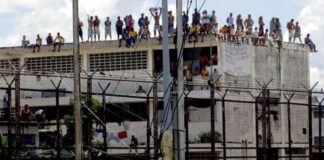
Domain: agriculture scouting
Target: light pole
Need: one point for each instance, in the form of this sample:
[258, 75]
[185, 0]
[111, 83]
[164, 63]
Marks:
[77, 80]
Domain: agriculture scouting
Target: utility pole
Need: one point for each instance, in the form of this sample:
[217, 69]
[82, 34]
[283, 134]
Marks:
[166, 64]
[264, 123]
[77, 104]
[179, 128]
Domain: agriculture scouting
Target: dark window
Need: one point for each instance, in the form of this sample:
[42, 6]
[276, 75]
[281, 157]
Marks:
[52, 93]
[298, 151]
[317, 114]
[316, 140]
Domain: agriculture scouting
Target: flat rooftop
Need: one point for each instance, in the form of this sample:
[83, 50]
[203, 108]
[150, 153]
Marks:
[112, 45]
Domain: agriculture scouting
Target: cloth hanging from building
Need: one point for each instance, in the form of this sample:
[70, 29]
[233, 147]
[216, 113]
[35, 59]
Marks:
[122, 134]
[113, 137]
[237, 59]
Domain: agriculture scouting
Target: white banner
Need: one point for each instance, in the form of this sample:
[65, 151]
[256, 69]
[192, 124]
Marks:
[237, 59]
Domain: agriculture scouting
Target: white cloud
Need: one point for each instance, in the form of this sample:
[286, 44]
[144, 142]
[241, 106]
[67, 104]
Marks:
[317, 75]
[311, 19]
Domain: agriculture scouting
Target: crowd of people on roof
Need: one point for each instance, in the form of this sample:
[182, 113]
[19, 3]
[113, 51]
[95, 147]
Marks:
[236, 30]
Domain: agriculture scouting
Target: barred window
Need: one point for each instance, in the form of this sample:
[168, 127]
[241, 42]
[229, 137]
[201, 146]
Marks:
[118, 61]
[5, 64]
[60, 64]
[317, 140]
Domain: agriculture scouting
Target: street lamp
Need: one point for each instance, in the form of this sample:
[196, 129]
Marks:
[148, 127]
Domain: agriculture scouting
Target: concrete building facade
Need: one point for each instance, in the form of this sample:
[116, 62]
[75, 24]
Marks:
[242, 67]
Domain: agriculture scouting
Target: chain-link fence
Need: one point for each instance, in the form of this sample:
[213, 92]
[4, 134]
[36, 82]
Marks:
[121, 119]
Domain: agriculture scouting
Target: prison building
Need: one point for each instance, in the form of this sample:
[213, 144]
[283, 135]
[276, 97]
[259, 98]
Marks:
[253, 112]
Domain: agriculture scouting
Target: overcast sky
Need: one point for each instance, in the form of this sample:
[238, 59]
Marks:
[32, 17]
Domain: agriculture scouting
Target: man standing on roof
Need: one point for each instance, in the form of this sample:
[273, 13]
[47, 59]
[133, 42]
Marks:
[239, 23]
[185, 25]
[90, 28]
[170, 22]
[141, 22]
[297, 33]
[196, 17]
[119, 27]
[291, 29]
[107, 28]
[96, 24]
[230, 20]
[248, 23]
[156, 13]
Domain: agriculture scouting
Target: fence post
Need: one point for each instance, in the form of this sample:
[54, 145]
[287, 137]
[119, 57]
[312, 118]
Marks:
[186, 126]
[58, 123]
[103, 90]
[212, 114]
[256, 110]
[310, 120]
[320, 124]
[187, 120]
[9, 121]
[89, 104]
[212, 120]
[266, 127]
[148, 127]
[289, 125]
[58, 140]
[224, 125]
[269, 134]
[17, 103]
[155, 118]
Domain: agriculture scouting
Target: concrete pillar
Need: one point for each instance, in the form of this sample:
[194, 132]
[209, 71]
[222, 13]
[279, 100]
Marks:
[85, 62]
[21, 62]
[150, 61]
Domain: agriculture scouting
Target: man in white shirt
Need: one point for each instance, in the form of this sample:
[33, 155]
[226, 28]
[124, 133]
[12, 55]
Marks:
[37, 44]
[107, 28]
[205, 21]
[255, 36]
[230, 20]
[59, 40]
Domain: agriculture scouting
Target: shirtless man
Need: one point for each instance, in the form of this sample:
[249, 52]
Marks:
[170, 22]
[96, 24]
[291, 29]
[248, 23]
[156, 15]
[90, 28]
[297, 33]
